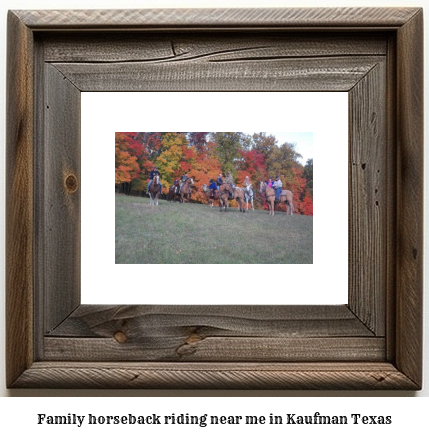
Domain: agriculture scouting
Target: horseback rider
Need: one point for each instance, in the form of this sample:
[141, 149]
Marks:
[183, 179]
[219, 180]
[229, 180]
[152, 175]
[176, 186]
[213, 188]
[277, 185]
[246, 181]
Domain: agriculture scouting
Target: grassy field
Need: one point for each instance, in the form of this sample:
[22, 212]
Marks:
[194, 234]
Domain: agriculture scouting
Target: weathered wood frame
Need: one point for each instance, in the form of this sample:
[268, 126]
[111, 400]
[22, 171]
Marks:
[373, 342]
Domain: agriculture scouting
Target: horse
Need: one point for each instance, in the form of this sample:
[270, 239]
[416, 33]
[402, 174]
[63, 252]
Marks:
[224, 191]
[209, 196]
[238, 195]
[286, 197]
[270, 195]
[154, 191]
[186, 190]
[173, 193]
[249, 195]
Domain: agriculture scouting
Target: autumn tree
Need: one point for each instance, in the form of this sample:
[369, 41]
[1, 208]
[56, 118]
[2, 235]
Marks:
[204, 155]
[282, 159]
[308, 174]
[227, 149]
[168, 162]
[263, 143]
[126, 166]
[198, 140]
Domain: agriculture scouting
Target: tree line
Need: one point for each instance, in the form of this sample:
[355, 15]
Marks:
[204, 155]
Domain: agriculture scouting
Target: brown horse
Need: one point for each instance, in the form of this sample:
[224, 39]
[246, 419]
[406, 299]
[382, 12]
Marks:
[286, 197]
[209, 195]
[238, 195]
[154, 191]
[270, 196]
[186, 190]
[173, 192]
[224, 191]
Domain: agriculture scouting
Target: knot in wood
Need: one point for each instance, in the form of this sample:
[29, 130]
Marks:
[71, 183]
[193, 338]
[120, 337]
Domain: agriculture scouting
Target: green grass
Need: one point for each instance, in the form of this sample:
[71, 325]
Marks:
[194, 234]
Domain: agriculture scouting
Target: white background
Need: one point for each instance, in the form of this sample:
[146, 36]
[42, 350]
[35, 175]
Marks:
[324, 114]
[19, 413]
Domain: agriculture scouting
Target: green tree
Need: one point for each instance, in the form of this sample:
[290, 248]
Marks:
[228, 146]
[308, 175]
[264, 144]
[282, 160]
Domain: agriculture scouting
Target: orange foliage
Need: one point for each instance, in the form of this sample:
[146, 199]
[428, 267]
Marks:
[174, 153]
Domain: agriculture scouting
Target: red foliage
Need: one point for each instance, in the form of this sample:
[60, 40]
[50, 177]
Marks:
[307, 205]
[137, 152]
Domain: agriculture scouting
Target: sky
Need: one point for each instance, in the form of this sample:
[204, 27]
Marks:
[303, 141]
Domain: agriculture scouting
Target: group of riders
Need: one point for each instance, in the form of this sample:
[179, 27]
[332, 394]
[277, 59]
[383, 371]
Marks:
[214, 185]
[178, 184]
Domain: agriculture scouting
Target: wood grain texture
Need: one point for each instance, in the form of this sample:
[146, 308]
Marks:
[193, 348]
[368, 202]
[19, 200]
[213, 333]
[189, 347]
[410, 199]
[178, 47]
[379, 376]
[99, 321]
[303, 74]
[206, 18]
[391, 193]
[61, 186]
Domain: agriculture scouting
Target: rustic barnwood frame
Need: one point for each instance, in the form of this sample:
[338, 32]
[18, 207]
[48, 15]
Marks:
[373, 342]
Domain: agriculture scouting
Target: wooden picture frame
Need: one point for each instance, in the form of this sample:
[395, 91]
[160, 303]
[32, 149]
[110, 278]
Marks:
[373, 342]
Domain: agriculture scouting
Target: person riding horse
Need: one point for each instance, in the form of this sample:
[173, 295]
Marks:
[176, 186]
[183, 180]
[152, 174]
[278, 185]
[229, 180]
[213, 188]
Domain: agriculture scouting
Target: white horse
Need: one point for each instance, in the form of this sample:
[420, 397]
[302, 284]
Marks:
[249, 195]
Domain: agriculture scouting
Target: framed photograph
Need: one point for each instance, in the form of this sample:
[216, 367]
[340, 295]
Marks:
[372, 341]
